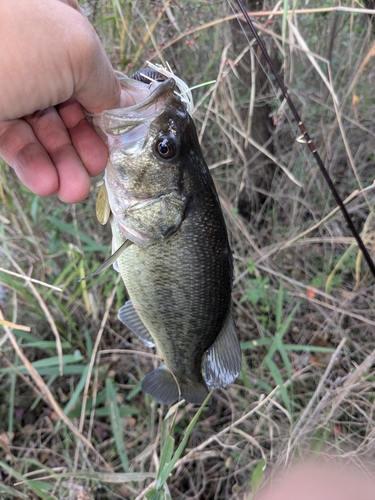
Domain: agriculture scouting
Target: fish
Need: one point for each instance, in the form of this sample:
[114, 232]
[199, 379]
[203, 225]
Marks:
[170, 242]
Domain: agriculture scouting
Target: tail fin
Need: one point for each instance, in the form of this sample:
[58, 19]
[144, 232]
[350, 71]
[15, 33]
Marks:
[164, 388]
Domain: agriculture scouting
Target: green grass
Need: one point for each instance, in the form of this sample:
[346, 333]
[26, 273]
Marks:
[74, 422]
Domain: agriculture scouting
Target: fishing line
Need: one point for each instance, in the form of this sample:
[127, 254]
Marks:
[307, 140]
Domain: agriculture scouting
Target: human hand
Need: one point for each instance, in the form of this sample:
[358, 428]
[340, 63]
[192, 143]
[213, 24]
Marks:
[55, 67]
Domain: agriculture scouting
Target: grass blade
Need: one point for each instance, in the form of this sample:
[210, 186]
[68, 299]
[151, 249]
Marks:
[116, 423]
[29, 483]
[167, 469]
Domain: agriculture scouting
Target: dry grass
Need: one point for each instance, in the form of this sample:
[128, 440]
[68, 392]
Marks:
[70, 399]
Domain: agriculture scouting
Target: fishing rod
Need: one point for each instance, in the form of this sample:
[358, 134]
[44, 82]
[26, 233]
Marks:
[308, 140]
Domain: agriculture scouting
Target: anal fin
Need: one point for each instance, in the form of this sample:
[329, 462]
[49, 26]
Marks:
[162, 386]
[222, 362]
[130, 318]
[165, 389]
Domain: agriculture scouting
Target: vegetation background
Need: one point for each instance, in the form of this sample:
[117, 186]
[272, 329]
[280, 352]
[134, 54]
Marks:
[73, 422]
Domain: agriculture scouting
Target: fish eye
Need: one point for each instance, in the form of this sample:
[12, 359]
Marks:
[166, 148]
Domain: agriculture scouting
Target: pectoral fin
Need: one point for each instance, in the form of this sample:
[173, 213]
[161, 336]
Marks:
[130, 318]
[109, 261]
[222, 361]
[114, 263]
[103, 210]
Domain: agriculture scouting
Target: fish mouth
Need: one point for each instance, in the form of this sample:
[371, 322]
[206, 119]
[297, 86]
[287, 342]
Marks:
[134, 121]
[120, 121]
[127, 129]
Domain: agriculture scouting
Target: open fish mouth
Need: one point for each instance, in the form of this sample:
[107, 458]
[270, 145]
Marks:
[128, 127]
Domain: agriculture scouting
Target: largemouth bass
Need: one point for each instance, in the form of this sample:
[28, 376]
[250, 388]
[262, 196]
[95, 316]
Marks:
[171, 246]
